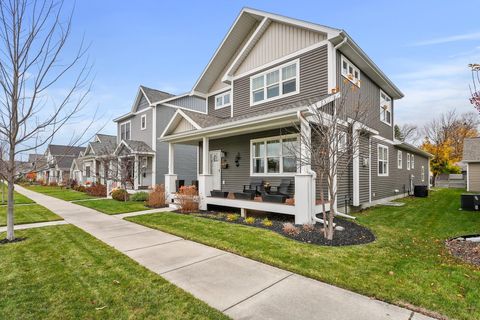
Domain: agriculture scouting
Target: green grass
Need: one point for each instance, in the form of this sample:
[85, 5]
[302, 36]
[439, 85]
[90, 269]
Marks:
[408, 262]
[60, 193]
[28, 214]
[62, 272]
[110, 206]
[17, 198]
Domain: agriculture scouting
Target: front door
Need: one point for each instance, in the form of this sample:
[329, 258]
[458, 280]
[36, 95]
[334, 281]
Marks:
[215, 169]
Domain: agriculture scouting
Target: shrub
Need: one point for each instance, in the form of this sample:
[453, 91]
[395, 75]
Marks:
[156, 198]
[72, 183]
[250, 220]
[97, 190]
[232, 217]
[139, 196]
[79, 188]
[120, 194]
[308, 227]
[267, 223]
[53, 184]
[290, 229]
[188, 199]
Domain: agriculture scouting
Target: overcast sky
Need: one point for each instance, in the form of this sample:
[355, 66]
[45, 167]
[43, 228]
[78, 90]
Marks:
[423, 46]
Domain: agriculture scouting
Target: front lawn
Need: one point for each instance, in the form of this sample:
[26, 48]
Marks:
[60, 193]
[110, 206]
[28, 214]
[17, 198]
[62, 272]
[407, 264]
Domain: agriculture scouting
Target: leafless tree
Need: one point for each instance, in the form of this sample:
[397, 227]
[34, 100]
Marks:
[329, 142]
[408, 133]
[42, 86]
[116, 169]
[475, 86]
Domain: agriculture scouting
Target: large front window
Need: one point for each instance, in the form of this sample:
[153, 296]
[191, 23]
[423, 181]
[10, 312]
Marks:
[125, 131]
[271, 156]
[274, 83]
[382, 160]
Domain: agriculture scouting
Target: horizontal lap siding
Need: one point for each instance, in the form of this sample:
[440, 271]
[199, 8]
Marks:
[221, 113]
[313, 84]
[474, 176]
[364, 169]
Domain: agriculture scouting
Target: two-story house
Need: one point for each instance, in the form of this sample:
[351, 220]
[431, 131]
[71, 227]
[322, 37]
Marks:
[58, 161]
[261, 80]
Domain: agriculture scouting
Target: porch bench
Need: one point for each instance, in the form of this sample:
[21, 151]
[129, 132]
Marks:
[244, 195]
[219, 193]
[276, 198]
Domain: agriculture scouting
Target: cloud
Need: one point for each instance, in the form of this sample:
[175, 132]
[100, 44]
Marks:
[449, 39]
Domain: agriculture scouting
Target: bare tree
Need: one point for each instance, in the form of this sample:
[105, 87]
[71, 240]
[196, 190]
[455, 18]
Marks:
[42, 87]
[408, 133]
[117, 170]
[329, 142]
[475, 86]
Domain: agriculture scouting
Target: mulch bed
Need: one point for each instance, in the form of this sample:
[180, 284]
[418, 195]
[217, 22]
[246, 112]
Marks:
[353, 234]
[5, 241]
[467, 251]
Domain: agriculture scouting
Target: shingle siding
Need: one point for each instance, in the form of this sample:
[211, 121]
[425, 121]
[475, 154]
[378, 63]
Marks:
[313, 83]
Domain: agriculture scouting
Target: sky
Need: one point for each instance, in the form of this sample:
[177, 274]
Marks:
[423, 46]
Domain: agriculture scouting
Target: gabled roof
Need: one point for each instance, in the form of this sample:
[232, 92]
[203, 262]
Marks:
[63, 150]
[471, 149]
[76, 163]
[103, 145]
[64, 162]
[34, 157]
[134, 147]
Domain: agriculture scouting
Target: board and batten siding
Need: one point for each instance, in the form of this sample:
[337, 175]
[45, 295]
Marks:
[190, 102]
[368, 96]
[474, 176]
[142, 104]
[313, 84]
[224, 112]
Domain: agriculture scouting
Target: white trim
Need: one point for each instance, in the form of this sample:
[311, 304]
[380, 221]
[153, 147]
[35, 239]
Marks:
[385, 174]
[170, 99]
[173, 118]
[422, 172]
[265, 173]
[154, 145]
[390, 111]
[408, 162]
[142, 126]
[332, 75]
[222, 96]
[412, 161]
[380, 138]
[355, 81]
[228, 87]
[252, 205]
[278, 68]
[369, 169]
[130, 131]
[468, 175]
[399, 159]
[181, 108]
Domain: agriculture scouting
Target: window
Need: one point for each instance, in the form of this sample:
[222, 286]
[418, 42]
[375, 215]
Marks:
[408, 161]
[222, 100]
[350, 71]
[143, 122]
[412, 162]
[87, 171]
[342, 141]
[125, 131]
[385, 108]
[423, 174]
[382, 160]
[272, 156]
[399, 159]
[275, 83]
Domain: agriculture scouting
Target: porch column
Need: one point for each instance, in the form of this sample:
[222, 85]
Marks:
[356, 164]
[109, 174]
[305, 180]
[170, 177]
[136, 172]
[205, 180]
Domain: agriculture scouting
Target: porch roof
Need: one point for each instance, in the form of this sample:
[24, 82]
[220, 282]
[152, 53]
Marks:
[134, 147]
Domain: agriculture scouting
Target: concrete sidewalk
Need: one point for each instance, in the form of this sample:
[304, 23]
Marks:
[240, 287]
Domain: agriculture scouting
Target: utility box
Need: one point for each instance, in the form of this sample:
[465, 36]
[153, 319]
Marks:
[470, 202]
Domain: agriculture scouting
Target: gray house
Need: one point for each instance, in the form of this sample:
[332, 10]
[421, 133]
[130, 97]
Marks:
[471, 156]
[260, 82]
[58, 161]
[137, 137]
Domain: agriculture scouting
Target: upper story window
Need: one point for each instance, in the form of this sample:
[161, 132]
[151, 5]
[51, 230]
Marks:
[385, 108]
[274, 156]
[408, 161]
[423, 174]
[412, 164]
[350, 71]
[87, 171]
[125, 131]
[382, 160]
[274, 83]
[399, 159]
[143, 122]
[342, 141]
[222, 100]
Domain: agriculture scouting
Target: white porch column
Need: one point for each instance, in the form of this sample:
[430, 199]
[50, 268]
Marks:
[205, 181]
[356, 164]
[136, 172]
[305, 181]
[170, 177]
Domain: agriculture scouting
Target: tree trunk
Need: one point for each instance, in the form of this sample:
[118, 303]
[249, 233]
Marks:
[10, 201]
[331, 214]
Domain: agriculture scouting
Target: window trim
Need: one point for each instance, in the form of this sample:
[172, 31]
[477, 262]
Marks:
[379, 146]
[355, 68]
[408, 161]
[265, 169]
[423, 173]
[381, 109]
[222, 95]
[88, 172]
[144, 116]
[412, 161]
[399, 159]
[130, 131]
[280, 81]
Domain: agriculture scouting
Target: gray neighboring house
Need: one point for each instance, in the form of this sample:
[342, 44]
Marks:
[261, 80]
[137, 137]
[471, 156]
[58, 161]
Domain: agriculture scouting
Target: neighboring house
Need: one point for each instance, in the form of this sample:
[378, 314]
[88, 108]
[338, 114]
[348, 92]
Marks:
[256, 85]
[471, 156]
[76, 172]
[137, 135]
[92, 166]
[58, 161]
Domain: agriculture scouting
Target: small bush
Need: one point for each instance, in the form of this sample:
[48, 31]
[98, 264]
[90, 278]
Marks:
[188, 199]
[120, 195]
[250, 220]
[72, 183]
[290, 229]
[232, 217]
[156, 198]
[139, 196]
[79, 188]
[97, 190]
[53, 184]
[267, 223]
[308, 227]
